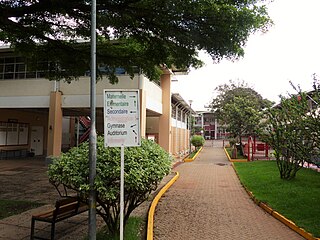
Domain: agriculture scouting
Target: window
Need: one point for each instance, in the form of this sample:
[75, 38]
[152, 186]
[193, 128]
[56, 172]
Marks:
[16, 68]
[13, 133]
[13, 67]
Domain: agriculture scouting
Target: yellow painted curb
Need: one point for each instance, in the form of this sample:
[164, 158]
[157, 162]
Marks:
[234, 160]
[277, 215]
[154, 204]
[194, 157]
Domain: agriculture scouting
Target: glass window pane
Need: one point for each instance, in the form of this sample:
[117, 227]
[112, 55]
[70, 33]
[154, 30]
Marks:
[31, 75]
[9, 68]
[9, 60]
[20, 67]
[40, 74]
[20, 60]
[8, 76]
[21, 75]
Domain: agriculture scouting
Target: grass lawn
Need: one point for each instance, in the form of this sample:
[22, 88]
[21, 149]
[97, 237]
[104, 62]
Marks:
[13, 207]
[191, 155]
[297, 199]
[133, 230]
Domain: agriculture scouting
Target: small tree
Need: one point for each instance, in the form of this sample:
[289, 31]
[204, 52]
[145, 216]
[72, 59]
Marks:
[145, 167]
[293, 131]
[239, 107]
[197, 141]
[241, 117]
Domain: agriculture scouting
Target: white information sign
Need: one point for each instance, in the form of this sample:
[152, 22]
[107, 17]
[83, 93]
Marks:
[121, 118]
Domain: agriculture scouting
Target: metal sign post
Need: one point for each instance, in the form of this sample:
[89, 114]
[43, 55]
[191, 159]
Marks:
[121, 128]
[121, 192]
[93, 134]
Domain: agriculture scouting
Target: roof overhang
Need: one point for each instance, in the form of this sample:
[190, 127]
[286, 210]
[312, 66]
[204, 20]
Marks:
[176, 98]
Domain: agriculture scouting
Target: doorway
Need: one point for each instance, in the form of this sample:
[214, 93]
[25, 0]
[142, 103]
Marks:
[37, 140]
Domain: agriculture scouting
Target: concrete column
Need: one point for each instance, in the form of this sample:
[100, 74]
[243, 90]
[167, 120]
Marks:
[143, 113]
[165, 118]
[176, 151]
[215, 128]
[186, 132]
[54, 125]
[181, 132]
[202, 122]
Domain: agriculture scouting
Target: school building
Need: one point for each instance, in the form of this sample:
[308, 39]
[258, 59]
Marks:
[42, 117]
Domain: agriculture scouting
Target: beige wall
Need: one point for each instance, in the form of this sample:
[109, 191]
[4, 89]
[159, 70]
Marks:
[26, 87]
[180, 143]
[174, 131]
[82, 86]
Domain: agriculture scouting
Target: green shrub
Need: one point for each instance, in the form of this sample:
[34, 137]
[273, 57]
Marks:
[197, 141]
[293, 130]
[233, 141]
[145, 167]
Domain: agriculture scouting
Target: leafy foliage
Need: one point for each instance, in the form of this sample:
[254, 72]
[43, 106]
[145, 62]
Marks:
[293, 131]
[239, 107]
[145, 167]
[227, 92]
[143, 34]
[241, 117]
[197, 141]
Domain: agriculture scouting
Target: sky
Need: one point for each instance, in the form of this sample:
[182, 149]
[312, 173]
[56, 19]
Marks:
[289, 51]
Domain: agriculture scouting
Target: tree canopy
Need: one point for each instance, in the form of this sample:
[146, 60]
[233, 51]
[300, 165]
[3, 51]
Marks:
[226, 94]
[131, 33]
[239, 107]
[241, 117]
[293, 130]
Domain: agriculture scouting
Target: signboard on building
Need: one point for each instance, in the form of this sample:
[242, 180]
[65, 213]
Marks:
[121, 118]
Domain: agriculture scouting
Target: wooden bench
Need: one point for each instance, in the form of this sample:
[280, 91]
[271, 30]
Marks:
[64, 208]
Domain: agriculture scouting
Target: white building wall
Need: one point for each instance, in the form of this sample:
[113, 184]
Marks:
[31, 93]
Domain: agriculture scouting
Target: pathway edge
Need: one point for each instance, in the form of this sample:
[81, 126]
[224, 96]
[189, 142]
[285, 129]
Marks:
[194, 157]
[154, 204]
[232, 159]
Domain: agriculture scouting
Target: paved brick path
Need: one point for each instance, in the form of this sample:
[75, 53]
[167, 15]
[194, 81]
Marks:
[208, 202]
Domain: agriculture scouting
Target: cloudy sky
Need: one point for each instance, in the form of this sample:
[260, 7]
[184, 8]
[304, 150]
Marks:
[289, 51]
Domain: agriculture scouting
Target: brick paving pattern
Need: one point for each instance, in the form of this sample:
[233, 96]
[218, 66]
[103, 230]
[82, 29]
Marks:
[208, 202]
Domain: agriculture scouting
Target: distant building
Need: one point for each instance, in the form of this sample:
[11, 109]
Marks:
[207, 125]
